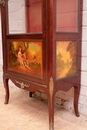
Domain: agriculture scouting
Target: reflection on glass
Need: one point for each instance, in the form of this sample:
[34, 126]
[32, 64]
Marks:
[25, 16]
[25, 57]
[66, 58]
[67, 15]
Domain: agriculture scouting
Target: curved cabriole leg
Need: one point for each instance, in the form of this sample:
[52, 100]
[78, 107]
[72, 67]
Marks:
[6, 90]
[51, 112]
[76, 98]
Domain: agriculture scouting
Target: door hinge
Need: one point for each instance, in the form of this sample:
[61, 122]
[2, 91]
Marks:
[2, 2]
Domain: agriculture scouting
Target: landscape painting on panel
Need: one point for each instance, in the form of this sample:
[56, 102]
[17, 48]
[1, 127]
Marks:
[66, 58]
[25, 57]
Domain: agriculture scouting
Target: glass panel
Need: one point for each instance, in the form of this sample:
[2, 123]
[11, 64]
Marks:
[24, 18]
[66, 58]
[35, 16]
[67, 15]
[16, 15]
[25, 57]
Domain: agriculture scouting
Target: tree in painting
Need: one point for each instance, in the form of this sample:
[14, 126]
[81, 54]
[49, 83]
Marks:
[72, 49]
[60, 64]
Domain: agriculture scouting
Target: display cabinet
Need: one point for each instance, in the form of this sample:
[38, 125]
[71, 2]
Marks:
[42, 47]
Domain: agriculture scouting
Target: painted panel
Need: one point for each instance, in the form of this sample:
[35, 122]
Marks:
[67, 15]
[25, 57]
[66, 58]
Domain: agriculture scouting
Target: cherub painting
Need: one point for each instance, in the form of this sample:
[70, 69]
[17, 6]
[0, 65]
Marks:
[26, 57]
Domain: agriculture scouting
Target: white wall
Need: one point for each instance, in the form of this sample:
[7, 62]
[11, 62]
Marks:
[0, 51]
[16, 16]
[65, 99]
[83, 93]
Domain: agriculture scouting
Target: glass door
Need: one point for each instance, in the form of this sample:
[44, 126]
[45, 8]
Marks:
[26, 39]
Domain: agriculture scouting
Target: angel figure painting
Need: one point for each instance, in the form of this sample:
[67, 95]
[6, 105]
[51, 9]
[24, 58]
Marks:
[25, 57]
[66, 58]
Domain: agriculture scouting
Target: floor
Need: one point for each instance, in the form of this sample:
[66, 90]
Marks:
[25, 113]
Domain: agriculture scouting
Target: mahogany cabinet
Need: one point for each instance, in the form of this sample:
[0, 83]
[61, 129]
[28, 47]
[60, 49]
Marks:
[42, 47]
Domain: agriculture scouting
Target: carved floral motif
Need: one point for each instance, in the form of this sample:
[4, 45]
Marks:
[23, 85]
